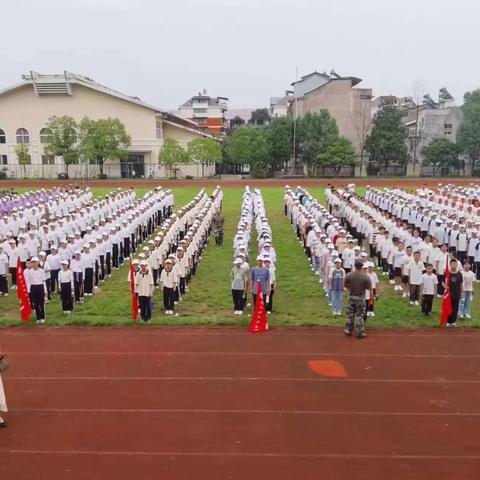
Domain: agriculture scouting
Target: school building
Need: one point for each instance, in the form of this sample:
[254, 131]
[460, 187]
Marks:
[26, 107]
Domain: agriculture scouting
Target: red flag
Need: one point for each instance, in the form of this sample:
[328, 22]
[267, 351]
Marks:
[132, 290]
[22, 293]
[259, 317]
[447, 299]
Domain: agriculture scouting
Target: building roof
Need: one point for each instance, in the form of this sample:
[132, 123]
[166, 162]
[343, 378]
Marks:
[212, 101]
[329, 78]
[61, 84]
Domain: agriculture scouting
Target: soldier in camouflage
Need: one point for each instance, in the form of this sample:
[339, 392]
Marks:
[357, 283]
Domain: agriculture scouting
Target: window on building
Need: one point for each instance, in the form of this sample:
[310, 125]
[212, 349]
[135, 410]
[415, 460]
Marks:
[3, 160]
[201, 119]
[48, 160]
[158, 128]
[448, 128]
[3, 137]
[45, 135]
[199, 110]
[22, 136]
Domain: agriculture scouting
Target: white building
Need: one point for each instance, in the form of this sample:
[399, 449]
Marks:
[26, 107]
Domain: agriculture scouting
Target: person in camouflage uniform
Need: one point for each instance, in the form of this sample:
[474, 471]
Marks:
[357, 283]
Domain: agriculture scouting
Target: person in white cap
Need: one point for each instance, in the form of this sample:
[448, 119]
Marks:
[89, 265]
[65, 286]
[260, 275]
[3, 273]
[336, 281]
[54, 261]
[374, 281]
[181, 269]
[144, 289]
[78, 268]
[239, 282]
[272, 283]
[12, 261]
[45, 266]
[37, 289]
[169, 283]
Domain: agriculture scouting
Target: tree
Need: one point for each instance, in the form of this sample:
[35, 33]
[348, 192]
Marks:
[172, 153]
[314, 132]
[204, 151]
[62, 139]
[468, 135]
[260, 117]
[102, 139]
[279, 136]
[441, 153]
[248, 146]
[340, 153]
[386, 143]
[23, 156]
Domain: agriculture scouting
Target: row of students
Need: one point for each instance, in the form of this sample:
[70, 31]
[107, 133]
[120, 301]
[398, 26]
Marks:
[406, 258]
[242, 277]
[171, 260]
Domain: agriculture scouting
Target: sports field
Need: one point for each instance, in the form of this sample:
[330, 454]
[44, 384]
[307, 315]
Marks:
[299, 299]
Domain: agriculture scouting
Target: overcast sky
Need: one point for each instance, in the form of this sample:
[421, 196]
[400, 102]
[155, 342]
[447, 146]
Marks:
[166, 51]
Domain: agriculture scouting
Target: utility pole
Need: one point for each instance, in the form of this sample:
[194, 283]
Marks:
[295, 113]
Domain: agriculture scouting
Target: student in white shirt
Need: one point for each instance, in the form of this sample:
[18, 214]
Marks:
[415, 269]
[3, 273]
[37, 289]
[65, 282]
[54, 260]
[78, 269]
[273, 283]
[374, 281]
[429, 289]
[45, 266]
[399, 257]
[467, 291]
[12, 261]
[144, 289]
[169, 283]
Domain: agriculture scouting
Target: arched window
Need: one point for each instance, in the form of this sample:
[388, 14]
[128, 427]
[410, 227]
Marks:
[22, 136]
[3, 137]
[45, 134]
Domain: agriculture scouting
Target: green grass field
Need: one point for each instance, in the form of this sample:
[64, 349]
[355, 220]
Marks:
[299, 298]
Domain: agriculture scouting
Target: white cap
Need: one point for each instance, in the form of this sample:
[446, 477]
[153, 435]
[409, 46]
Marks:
[260, 257]
[64, 262]
[34, 259]
[143, 262]
[77, 252]
[238, 261]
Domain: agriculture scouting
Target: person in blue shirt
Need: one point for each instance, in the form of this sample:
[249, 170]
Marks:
[260, 274]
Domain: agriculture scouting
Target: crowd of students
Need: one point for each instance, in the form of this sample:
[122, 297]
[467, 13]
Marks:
[70, 243]
[262, 275]
[171, 258]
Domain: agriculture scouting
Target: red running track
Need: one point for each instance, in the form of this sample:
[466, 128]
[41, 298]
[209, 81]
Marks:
[219, 403]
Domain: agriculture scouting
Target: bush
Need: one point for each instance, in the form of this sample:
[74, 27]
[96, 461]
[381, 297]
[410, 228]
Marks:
[372, 170]
[3, 175]
[189, 177]
[102, 176]
[62, 176]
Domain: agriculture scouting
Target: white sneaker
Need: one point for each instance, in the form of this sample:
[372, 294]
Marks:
[167, 312]
[240, 312]
[392, 282]
[405, 295]
[416, 303]
[268, 312]
[412, 303]
[372, 314]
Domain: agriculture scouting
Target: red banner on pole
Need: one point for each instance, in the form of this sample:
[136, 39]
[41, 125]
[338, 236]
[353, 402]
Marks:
[259, 317]
[22, 293]
[132, 290]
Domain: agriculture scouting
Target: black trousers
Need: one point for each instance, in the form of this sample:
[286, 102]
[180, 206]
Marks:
[156, 275]
[270, 300]
[238, 303]
[440, 288]
[414, 293]
[182, 285]
[461, 256]
[78, 285]
[108, 263]
[102, 267]
[48, 283]
[37, 298]
[66, 296]
[169, 298]
[97, 273]
[115, 255]
[126, 247]
[13, 273]
[88, 281]
[3, 284]
[453, 317]
[254, 295]
[427, 302]
[145, 307]
[54, 280]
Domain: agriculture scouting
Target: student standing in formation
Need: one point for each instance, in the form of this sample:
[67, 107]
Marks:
[468, 278]
[455, 286]
[272, 283]
[3, 273]
[78, 268]
[65, 287]
[54, 261]
[415, 269]
[374, 281]
[45, 266]
[239, 279]
[3, 404]
[429, 289]
[169, 283]
[37, 289]
[144, 287]
[336, 280]
[260, 274]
